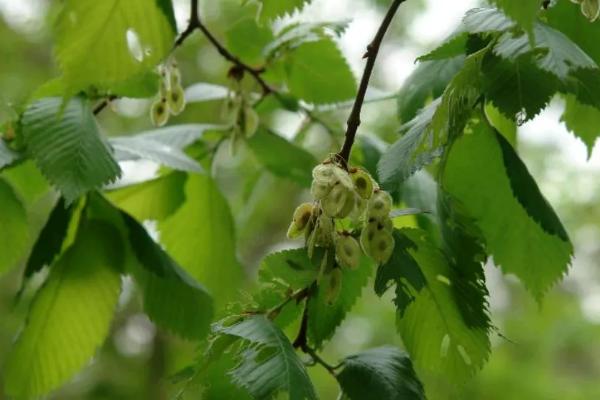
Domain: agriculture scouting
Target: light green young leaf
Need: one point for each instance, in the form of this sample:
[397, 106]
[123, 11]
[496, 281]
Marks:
[70, 316]
[64, 141]
[318, 73]
[269, 363]
[107, 44]
[151, 200]
[272, 9]
[583, 121]
[432, 325]
[172, 298]
[14, 235]
[296, 34]
[179, 136]
[520, 229]
[200, 237]
[324, 318]
[380, 373]
[246, 39]
[282, 157]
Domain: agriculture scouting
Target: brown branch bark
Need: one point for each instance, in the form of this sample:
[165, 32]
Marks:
[371, 56]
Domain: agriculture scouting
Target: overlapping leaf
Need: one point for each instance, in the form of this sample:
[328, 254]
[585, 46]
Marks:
[200, 237]
[426, 135]
[380, 373]
[271, 9]
[70, 316]
[172, 298]
[519, 227]
[64, 141]
[324, 318]
[431, 324]
[583, 121]
[269, 363]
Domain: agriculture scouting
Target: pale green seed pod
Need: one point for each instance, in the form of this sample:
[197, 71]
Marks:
[319, 190]
[590, 9]
[159, 112]
[334, 202]
[379, 205]
[363, 184]
[349, 205]
[176, 98]
[324, 173]
[347, 251]
[325, 230]
[333, 284]
[250, 122]
[301, 218]
[367, 235]
[382, 246]
[342, 177]
[174, 76]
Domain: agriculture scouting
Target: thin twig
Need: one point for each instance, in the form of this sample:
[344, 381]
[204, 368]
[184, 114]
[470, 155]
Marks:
[298, 296]
[311, 352]
[371, 56]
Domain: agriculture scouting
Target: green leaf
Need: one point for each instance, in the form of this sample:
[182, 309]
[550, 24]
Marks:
[64, 141]
[293, 267]
[70, 316]
[568, 19]
[109, 44]
[426, 135]
[246, 39]
[426, 83]
[7, 155]
[517, 88]
[152, 200]
[272, 9]
[324, 318]
[269, 363]
[318, 73]
[432, 325]
[524, 12]
[282, 157]
[555, 52]
[179, 136]
[520, 229]
[299, 33]
[200, 92]
[51, 238]
[380, 373]
[454, 46]
[200, 237]
[14, 234]
[582, 121]
[172, 298]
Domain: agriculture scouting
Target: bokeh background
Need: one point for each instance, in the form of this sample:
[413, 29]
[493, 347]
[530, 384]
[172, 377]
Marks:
[541, 351]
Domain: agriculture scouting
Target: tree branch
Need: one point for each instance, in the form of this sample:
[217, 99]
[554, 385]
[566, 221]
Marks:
[371, 56]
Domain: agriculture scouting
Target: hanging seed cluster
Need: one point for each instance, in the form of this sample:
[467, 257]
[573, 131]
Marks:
[344, 199]
[171, 98]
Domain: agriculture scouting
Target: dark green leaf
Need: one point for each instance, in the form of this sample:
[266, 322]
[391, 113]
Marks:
[524, 12]
[454, 46]
[51, 238]
[269, 363]
[293, 267]
[380, 373]
[14, 235]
